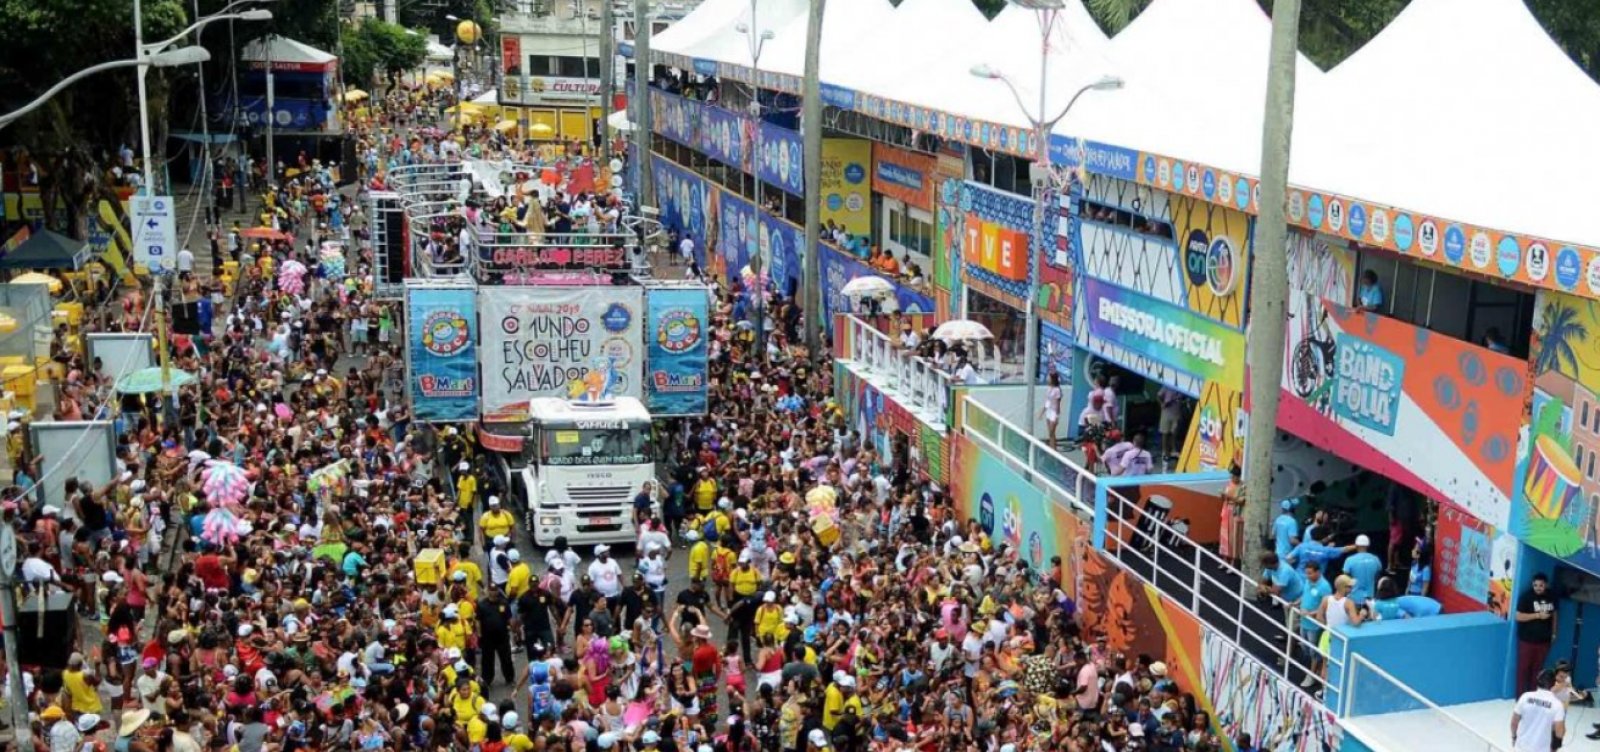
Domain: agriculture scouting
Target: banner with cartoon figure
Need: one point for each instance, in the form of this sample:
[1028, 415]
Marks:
[580, 343]
[442, 357]
[687, 202]
[1010, 509]
[1435, 413]
[675, 378]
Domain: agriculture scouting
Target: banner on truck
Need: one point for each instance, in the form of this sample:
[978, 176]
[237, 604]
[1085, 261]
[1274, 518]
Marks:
[442, 355]
[578, 343]
[675, 381]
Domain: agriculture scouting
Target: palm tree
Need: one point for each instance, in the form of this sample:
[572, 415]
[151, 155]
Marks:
[1559, 332]
[1114, 14]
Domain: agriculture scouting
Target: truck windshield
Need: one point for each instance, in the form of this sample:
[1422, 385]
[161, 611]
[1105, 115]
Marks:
[596, 446]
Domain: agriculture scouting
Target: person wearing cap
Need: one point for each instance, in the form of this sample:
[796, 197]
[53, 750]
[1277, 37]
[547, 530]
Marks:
[838, 699]
[520, 578]
[705, 668]
[81, 685]
[723, 561]
[497, 522]
[653, 571]
[817, 740]
[769, 618]
[699, 556]
[152, 686]
[1363, 566]
[466, 571]
[466, 497]
[1285, 529]
[605, 572]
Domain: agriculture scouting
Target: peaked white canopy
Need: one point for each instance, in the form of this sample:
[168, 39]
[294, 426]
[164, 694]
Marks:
[732, 46]
[285, 51]
[851, 32]
[918, 34]
[711, 18]
[1464, 110]
[1191, 101]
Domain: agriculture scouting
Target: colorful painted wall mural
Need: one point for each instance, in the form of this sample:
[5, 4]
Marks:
[996, 242]
[950, 226]
[1434, 413]
[1247, 699]
[1011, 509]
[1058, 264]
[1473, 564]
[879, 419]
[846, 188]
[1216, 433]
[1557, 486]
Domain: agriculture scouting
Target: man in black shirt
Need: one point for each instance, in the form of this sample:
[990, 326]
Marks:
[631, 602]
[693, 605]
[1536, 627]
[494, 635]
[582, 602]
[535, 610]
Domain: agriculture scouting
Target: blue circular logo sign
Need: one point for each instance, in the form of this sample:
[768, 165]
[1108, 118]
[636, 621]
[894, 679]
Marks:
[1358, 221]
[616, 318]
[854, 173]
[1241, 193]
[1177, 176]
[1404, 232]
[1568, 267]
[1314, 211]
[1455, 243]
[1149, 169]
[1208, 184]
[1508, 255]
[835, 202]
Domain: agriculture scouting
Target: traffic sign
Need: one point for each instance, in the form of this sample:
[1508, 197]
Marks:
[155, 231]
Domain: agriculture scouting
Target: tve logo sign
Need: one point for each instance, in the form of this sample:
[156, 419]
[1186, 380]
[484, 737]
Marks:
[999, 250]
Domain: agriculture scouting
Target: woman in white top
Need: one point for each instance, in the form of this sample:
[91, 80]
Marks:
[1051, 412]
[1339, 609]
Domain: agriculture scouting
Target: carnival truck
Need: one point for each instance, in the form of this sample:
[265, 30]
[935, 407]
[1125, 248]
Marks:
[582, 466]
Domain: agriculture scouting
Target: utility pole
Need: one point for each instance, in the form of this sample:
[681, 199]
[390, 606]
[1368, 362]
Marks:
[205, 119]
[757, 38]
[272, 115]
[641, 100]
[811, 142]
[608, 76]
[1269, 278]
[164, 357]
[144, 100]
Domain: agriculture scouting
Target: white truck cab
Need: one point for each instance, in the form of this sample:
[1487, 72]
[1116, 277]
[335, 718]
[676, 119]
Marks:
[586, 461]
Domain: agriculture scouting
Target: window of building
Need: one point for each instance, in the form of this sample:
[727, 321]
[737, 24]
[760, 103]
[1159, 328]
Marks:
[1577, 455]
[1455, 305]
[1091, 211]
[1589, 472]
[1584, 420]
[568, 66]
[908, 232]
[540, 65]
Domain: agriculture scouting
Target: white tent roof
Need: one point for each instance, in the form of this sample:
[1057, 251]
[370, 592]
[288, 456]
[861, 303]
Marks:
[285, 50]
[438, 51]
[1463, 110]
[711, 18]
[851, 31]
[729, 45]
[1195, 103]
[1011, 45]
[920, 32]
[490, 97]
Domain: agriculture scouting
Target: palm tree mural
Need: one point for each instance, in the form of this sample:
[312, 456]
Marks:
[1560, 332]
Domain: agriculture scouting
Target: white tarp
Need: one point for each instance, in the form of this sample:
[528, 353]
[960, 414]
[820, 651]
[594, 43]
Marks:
[121, 353]
[1464, 110]
[711, 18]
[82, 449]
[729, 45]
[285, 50]
[558, 342]
[851, 35]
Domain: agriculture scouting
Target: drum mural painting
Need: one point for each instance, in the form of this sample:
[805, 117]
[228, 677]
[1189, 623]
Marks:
[1558, 481]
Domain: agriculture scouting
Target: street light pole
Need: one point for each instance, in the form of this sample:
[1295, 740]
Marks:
[18, 706]
[757, 39]
[184, 56]
[608, 75]
[1042, 177]
[641, 100]
[149, 186]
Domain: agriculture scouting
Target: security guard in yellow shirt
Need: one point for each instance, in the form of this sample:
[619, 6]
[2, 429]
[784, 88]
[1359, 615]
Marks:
[496, 522]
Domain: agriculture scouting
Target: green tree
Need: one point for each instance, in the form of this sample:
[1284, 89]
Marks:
[48, 40]
[376, 48]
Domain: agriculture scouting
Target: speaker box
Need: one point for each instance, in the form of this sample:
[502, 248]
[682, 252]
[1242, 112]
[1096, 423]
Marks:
[49, 646]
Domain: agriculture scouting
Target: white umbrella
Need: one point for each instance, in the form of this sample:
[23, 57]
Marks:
[870, 286]
[962, 330]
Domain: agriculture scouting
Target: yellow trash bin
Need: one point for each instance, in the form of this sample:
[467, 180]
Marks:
[22, 381]
[429, 566]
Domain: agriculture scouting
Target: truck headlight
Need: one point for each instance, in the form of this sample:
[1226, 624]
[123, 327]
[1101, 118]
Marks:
[549, 520]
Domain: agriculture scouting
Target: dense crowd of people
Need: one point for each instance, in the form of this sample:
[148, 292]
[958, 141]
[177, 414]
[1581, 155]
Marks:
[249, 578]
